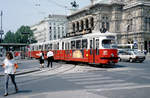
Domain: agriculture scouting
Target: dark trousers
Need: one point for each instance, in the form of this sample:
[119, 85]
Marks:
[12, 76]
[50, 60]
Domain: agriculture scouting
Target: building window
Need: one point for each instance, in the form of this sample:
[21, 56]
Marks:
[103, 24]
[58, 35]
[54, 36]
[77, 26]
[87, 23]
[92, 22]
[73, 26]
[82, 25]
[107, 25]
[130, 24]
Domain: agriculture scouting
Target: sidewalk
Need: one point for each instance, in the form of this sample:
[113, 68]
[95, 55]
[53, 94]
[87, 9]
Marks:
[22, 69]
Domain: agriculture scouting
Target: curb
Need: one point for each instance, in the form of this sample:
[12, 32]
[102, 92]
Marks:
[24, 72]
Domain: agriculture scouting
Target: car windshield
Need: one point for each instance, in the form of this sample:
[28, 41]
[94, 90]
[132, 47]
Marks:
[137, 52]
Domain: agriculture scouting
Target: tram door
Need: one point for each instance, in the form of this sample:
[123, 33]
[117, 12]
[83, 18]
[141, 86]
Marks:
[92, 53]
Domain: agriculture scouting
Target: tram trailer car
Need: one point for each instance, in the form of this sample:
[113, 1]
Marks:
[94, 48]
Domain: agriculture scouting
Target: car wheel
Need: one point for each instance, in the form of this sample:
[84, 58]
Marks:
[131, 60]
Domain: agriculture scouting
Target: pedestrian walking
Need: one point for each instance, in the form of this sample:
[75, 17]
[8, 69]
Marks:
[50, 57]
[145, 52]
[9, 66]
[41, 59]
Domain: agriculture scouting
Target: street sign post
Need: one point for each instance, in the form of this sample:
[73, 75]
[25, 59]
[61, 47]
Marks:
[1, 33]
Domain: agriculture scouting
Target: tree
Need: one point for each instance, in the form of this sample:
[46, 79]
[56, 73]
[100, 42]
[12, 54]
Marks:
[9, 37]
[22, 35]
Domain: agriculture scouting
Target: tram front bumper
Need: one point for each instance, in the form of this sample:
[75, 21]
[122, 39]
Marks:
[110, 60]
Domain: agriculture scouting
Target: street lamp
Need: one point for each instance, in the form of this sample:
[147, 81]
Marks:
[1, 29]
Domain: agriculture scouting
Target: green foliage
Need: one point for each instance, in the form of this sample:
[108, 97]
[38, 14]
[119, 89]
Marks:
[9, 37]
[23, 35]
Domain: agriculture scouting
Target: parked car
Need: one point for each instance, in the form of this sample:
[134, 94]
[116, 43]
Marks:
[131, 56]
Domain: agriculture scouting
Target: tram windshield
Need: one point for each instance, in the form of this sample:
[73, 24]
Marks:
[106, 43]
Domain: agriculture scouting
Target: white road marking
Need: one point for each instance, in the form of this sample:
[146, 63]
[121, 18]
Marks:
[96, 82]
[123, 88]
[81, 76]
[90, 79]
[114, 85]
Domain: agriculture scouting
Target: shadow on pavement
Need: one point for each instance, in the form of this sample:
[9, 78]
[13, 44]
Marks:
[24, 91]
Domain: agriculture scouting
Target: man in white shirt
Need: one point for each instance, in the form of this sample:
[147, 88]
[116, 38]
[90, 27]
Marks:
[50, 58]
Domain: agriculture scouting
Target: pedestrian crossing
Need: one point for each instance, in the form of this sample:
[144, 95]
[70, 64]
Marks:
[99, 82]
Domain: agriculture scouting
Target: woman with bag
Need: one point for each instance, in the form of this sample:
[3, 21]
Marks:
[10, 67]
[41, 59]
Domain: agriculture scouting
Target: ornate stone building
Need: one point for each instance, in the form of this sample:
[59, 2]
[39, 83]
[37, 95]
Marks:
[130, 19]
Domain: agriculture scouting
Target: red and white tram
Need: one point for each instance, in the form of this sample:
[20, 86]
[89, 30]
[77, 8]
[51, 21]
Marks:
[94, 48]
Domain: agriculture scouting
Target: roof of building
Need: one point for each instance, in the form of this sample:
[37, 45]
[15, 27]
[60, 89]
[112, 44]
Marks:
[108, 3]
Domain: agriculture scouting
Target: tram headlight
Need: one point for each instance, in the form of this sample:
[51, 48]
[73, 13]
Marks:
[105, 52]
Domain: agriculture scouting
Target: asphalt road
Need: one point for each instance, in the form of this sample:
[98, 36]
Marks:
[125, 80]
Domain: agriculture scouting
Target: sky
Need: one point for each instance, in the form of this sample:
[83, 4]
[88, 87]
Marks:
[30, 12]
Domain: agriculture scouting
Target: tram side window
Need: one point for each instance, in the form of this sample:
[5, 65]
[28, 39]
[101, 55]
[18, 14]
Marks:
[78, 44]
[91, 44]
[97, 43]
[62, 45]
[37, 47]
[66, 46]
[32, 48]
[51, 46]
[57, 46]
[84, 43]
[72, 44]
[46, 47]
[40, 47]
[97, 46]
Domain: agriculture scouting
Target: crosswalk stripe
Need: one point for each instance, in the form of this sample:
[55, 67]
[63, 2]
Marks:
[123, 88]
[96, 82]
[85, 76]
[89, 79]
[114, 85]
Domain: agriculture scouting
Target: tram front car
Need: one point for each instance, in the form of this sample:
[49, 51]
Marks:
[108, 53]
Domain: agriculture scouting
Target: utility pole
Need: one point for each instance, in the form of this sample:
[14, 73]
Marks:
[1, 28]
